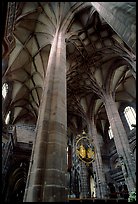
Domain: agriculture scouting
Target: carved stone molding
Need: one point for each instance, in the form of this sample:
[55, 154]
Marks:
[8, 36]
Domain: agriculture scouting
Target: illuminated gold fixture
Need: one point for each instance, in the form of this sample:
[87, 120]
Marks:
[85, 149]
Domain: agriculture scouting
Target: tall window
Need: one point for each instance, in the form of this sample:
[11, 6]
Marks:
[7, 117]
[130, 116]
[4, 90]
[110, 133]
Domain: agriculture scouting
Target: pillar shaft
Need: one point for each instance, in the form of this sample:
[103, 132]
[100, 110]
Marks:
[121, 142]
[98, 165]
[121, 16]
[47, 175]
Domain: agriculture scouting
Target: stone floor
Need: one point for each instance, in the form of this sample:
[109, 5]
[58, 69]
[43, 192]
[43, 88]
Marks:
[91, 200]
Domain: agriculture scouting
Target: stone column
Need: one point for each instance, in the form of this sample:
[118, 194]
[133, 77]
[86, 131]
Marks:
[47, 175]
[101, 186]
[121, 142]
[121, 16]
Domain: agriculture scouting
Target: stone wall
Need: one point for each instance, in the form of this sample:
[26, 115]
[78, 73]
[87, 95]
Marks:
[25, 133]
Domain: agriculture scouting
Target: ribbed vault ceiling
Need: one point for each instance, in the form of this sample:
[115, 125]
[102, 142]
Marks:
[97, 60]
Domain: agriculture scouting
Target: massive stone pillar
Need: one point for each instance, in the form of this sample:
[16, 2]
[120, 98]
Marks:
[121, 142]
[121, 16]
[47, 174]
[101, 187]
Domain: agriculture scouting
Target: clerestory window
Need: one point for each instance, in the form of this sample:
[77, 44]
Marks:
[130, 115]
[7, 117]
[110, 133]
[4, 90]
